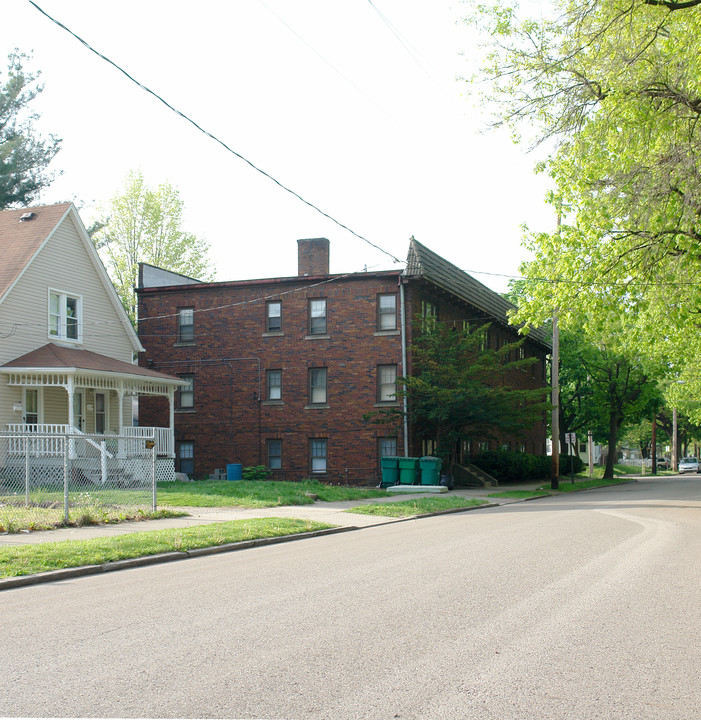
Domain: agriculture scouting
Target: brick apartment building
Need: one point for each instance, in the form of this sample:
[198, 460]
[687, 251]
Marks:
[280, 371]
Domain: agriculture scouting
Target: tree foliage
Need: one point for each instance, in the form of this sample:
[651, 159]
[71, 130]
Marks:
[459, 391]
[615, 87]
[145, 225]
[24, 156]
[605, 390]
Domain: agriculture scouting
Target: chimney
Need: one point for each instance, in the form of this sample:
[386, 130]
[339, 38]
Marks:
[312, 257]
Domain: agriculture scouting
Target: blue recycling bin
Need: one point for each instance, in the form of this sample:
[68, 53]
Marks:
[234, 471]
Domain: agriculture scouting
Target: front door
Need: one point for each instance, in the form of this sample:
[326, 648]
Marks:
[100, 413]
[31, 406]
[79, 410]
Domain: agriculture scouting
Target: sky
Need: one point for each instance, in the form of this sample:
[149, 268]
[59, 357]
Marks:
[355, 105]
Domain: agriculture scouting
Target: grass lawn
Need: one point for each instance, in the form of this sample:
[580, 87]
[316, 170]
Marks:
[518, 494]
[16, 560]
[581, 483]
[256, 494]
[16, 518]
[407, 508]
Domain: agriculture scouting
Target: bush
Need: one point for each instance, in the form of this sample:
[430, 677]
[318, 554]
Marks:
[520, 467]
[257, 472]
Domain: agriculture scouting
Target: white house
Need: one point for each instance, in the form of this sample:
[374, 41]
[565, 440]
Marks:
[67, 347]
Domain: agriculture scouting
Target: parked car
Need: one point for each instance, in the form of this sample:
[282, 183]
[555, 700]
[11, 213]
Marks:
[689, 464]
[663, 463]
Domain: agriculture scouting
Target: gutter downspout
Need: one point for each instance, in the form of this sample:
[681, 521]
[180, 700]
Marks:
[404, 363]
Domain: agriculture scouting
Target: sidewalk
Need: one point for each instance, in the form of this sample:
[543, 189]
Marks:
[331, 513]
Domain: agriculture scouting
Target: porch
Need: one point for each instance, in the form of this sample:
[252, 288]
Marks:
[48, 454]
[64, 399]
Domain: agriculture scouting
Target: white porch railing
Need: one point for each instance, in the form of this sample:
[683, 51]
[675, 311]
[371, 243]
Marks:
[162, 436]
[44, 445]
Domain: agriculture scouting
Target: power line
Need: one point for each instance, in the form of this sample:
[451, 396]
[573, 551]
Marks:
[210, 135]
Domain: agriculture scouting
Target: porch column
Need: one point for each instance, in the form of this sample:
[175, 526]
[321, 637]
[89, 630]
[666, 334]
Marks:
[171, 419]
[70, 390]
[120, 400]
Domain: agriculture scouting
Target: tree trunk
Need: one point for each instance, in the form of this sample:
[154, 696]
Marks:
[613, 441]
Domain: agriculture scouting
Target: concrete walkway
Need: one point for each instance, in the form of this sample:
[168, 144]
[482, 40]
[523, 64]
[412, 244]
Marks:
[332, 513]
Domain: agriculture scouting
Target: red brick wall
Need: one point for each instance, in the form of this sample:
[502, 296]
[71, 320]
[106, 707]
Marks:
[232, 418]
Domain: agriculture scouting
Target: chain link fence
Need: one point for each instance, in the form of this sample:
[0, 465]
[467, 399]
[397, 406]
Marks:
[52, 479]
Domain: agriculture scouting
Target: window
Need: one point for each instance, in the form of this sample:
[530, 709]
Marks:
[485, 340]
[387, 312]
[274, 452]
[186, 325]
[317, 454]
[273, 316]
[317, 317]
[317, 386]
[186, 394]
[186, 457]
[274, 384]
[65, 316]
[428, 447]
[429, 314]
[388, 447]
[386, 383]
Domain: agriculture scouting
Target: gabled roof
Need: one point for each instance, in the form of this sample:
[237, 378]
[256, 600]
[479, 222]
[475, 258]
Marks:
[21, 240]
[425, 264]
[57, 357]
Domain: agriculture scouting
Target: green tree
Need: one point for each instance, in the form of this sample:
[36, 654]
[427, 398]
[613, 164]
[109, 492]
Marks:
[24, 156]
[456, 392]
[615, 87]
[145, 225]
[605, 390]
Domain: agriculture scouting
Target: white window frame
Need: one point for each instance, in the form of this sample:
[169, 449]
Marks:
[383, 442]
[188, 455]
[273, 312]
[386, 315]
[318, 463]
[386, 391]
[274, 461]
[318, 310]
[274, 390]
[40, 405]
[184, 312]
[106, 410]
[59, 317]
[316, 389]
[187, 391]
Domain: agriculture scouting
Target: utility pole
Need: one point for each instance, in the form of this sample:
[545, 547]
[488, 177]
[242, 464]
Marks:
[555, 378]
[654, 445]
[590, 443]
[675, 442]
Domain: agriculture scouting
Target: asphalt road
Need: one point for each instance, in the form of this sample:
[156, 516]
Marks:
[566, 607]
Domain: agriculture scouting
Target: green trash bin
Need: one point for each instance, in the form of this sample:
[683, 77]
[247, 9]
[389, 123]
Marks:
[430, 470]
[390, 471]
[408, 471]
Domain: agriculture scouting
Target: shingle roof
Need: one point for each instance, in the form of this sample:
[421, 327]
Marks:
[424, 263]
[19, 241]
[52, 356]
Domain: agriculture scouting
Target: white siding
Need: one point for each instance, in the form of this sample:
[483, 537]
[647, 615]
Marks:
[65, 264]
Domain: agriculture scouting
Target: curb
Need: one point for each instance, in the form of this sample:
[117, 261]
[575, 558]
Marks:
[84, 570]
